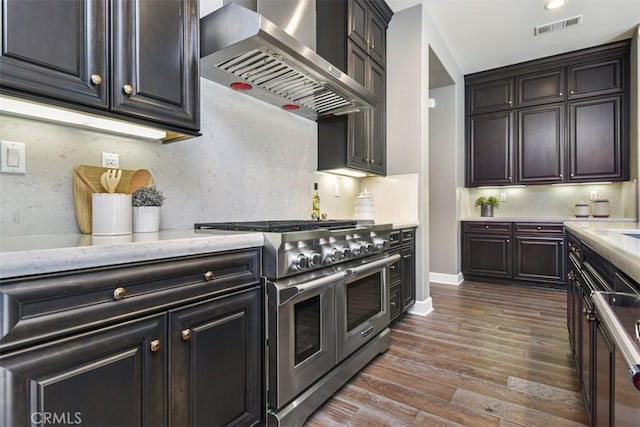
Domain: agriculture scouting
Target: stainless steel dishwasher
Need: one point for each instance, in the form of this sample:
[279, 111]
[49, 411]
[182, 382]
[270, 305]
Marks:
[617, 359]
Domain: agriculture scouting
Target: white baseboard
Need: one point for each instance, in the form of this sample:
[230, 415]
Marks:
[421, 308]
[446, 279]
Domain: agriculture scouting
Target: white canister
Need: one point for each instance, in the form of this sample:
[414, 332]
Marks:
[111, 214]
[600, 208]
[582, 209]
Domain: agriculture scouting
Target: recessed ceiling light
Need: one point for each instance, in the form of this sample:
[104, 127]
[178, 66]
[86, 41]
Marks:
[553, 4]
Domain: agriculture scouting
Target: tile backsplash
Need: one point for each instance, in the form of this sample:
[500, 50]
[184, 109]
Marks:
[253, 161]
[552, 201]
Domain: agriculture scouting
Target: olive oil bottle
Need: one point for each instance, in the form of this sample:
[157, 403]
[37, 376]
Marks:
[315, 203]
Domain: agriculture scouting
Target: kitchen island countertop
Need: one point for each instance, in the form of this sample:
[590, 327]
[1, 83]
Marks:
[542, 219]
[48, 253]
[612, 241]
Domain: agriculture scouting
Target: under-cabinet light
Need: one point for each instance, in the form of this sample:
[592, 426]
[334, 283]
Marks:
[497, 187]
[21, 108]
[567, 184]
[346, 172]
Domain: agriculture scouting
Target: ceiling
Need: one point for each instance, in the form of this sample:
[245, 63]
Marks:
[485, 34]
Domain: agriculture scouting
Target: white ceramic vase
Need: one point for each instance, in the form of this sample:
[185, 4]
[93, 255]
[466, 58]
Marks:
[146, 219]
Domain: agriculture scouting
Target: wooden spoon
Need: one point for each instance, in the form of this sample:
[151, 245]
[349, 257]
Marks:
[139, 179]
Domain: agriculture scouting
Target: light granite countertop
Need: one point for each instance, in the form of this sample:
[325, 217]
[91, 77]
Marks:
[542, 219]
[611, 240]
[47, 253]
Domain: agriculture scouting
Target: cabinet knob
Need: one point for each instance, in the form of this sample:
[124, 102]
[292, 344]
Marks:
[208, 275]
[560, 175]
[572, 92]
[572, 175]
[539, 228]
[186, 334]
[155, 345]
[510, 102]
[96, 79]
[508, 240]
[560, 94]
[393, 303]
[128, 89]
[119, 293]
[509, 178]
[486, 227]
[392, 267]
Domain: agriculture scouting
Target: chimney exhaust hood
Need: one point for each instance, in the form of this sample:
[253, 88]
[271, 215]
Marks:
[242, 49]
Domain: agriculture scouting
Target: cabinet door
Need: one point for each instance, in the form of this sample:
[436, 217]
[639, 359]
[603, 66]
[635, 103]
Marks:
[156, 61]
[395, 304]
[358, 25]
[487, 255]
[599, 78]
[541, 88]
[358, 140]
[377, 39]
[112, 377]
[541, 144]
[408, 278]
[596, 150]
[539, 258]
[54, 47]
[603, 376]
[489, 152]
[377, 123]
[216, 356]
[586, 342]
[490, 96]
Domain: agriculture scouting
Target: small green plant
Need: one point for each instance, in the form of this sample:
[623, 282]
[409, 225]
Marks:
[147, 196]
[492, 201]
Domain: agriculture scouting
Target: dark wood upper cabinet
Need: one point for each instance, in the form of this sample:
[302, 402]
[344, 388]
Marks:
[56, 49]
[572, 113]
[596, 78]
[352, 35]
[541, 88]
[540, 151]
[490, 96]
[130, 59]
[155, 56]
[596, 151]
[489, 148]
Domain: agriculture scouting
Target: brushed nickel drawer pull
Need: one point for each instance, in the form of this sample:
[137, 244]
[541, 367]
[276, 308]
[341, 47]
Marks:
[208, 275]
[155, 345]
[128, 89]
[96, 79]
[186, 334]
[119, 293]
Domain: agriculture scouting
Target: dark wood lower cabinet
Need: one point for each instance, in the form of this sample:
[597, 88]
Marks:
[524, 252]
[215, 357]
[113, 377]
[604, 356]
[403, 272]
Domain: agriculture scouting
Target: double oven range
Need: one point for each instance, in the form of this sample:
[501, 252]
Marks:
[327, 313]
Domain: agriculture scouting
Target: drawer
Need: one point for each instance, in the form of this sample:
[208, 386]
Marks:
[575, 248]
[394, 269]
[539, 228]
[47, 306]
[488, 227]
[622, 283]
[408, 236]
[394, 239]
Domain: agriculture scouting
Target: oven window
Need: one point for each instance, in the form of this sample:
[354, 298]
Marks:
[307, 328]
[364, 300]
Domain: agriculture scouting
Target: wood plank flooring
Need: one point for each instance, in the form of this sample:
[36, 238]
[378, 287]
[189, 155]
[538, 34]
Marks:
[489, 355]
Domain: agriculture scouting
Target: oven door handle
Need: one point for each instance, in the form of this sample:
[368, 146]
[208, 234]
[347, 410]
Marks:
[373, 265]
[287, 294]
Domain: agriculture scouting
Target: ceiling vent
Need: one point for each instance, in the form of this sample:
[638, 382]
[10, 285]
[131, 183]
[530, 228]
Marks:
[557, 25]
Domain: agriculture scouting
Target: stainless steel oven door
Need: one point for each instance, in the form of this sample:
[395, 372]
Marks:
[301, 334]
[362, 303]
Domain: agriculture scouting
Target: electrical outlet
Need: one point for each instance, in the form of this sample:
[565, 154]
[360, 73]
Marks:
[593, 195]
[336, 190]
[503, 197]
[13, 157]
[110, 160]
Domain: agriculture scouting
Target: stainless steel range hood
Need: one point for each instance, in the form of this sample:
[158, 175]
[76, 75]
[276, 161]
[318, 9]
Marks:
[242, 49]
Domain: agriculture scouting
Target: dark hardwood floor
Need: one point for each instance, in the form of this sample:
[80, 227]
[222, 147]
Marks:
[489, 355]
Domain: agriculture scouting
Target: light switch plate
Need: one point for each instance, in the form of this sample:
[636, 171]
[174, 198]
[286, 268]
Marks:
[13, 157]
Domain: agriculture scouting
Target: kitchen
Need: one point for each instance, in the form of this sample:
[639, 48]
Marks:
[206, 179]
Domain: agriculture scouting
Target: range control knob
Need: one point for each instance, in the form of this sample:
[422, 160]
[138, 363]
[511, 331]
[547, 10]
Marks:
[381, 244]
[346, 252]
[301, 262]
[357, 249]
[368, 247]
[315, 259]
[336, 255]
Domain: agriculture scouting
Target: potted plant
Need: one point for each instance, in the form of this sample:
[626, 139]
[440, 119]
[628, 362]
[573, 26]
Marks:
[146, 202]
[487, 204]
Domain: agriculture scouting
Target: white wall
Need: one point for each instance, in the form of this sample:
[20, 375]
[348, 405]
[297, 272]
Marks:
[635, 112]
